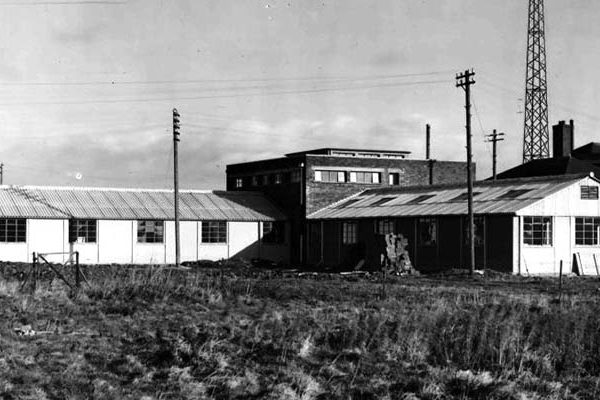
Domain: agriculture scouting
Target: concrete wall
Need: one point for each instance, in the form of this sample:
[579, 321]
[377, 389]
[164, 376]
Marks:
[117, 243]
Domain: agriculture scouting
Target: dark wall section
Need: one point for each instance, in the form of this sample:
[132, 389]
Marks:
[449, 252]
[499, 243]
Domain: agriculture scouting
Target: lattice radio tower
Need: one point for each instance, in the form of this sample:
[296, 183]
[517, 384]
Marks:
[535, 136]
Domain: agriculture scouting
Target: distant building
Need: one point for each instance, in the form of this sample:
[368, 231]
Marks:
[303, 182]
[564, 160]
[522, 226]
[136, 226]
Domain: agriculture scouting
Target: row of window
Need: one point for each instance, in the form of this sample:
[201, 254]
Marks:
[537, 231]
[329, 176]
[269, 179]
[13, 230]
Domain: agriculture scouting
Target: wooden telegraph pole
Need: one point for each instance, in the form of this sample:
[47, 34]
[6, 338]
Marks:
[494, 138]
[176, 128]
[464, 80]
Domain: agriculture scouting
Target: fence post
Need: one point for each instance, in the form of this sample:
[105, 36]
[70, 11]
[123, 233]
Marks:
[77, 273]
[34, 273]
[560, 281]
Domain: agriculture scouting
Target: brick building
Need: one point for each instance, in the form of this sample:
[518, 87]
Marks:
[304, 182]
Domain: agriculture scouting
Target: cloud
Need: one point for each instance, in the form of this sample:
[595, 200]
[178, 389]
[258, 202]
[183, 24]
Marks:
[388, 58]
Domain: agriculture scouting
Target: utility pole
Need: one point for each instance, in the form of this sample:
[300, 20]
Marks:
[176, 128]
[464, 80]
[428, 142]
[494, 138]
[1, 173]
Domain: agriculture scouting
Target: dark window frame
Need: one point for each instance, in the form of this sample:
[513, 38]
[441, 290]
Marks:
[427, 231]
[214, 232]
[83, 231]
[349, 233]
[586, 231]
[538, 231]
[384, 226]
[13, 230]
[588, 192]
[151, 231]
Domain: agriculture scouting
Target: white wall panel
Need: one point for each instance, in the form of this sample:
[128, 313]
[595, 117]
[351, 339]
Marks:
[115, 241]
[47, 236]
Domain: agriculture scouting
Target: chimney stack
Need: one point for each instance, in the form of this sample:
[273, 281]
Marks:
[562, 139]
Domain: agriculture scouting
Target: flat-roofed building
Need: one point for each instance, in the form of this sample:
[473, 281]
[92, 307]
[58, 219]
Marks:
[303, 182]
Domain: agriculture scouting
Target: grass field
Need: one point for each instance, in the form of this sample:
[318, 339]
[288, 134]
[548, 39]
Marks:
[237, 332]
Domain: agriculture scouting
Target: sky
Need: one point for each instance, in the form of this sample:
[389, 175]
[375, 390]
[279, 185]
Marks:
[87, 87]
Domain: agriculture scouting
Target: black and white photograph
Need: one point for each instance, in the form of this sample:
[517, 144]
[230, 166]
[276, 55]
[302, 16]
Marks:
[299, 199]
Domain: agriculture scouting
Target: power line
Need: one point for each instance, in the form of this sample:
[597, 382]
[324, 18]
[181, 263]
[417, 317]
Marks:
[233, 80]
[63, 3]
[225, 96]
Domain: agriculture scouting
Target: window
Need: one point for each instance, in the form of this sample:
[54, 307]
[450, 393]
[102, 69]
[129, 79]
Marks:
[239, 182]
[513, 194]
[382, 201]
[427, 231]
[478, 227]
[330, 176]
[278, 179]
[365, 177]
[384, 226]
[255, 181]
[273, 232]
[394, 178]
[82, 231]
[421, 198]
[151, 231]
[214, 232]
[464, 196]
[349, 232]
[265, 180]
[13, 230]
[347, 203]
[369, 155]
[537, 231]
[589, 192]
[586, 231]
[296, 176]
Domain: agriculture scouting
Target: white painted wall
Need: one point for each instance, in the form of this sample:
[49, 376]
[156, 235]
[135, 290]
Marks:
[188, 237]
[566, 202]
[115, 241]
[564, 206]
[244, 239]
[46, 236]
[17, 252]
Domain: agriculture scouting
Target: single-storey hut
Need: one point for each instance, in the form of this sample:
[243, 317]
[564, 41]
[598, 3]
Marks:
[136, 226]
[522, 226]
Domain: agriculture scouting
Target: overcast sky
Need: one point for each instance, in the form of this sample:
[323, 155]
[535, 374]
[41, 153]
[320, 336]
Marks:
[87, 87]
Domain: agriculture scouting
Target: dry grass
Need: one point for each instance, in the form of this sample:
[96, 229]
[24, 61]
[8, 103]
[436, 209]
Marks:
[236, 333]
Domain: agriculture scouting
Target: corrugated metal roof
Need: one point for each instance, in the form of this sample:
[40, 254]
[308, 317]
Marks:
[489, 198]
[133, 204]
